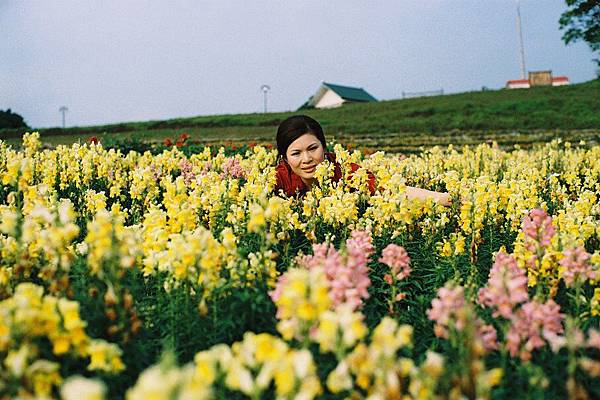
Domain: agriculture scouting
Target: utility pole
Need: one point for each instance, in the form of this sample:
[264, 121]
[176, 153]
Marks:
[63, 110]
[520, 31]
[265, 89]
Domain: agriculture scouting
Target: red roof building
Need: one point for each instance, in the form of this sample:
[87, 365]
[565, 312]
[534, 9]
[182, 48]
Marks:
[560, 81]
[518, 84]
[540, 78]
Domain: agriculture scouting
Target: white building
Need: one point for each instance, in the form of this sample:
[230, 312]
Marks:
[330, 95]
[518, 84]
[547, 80]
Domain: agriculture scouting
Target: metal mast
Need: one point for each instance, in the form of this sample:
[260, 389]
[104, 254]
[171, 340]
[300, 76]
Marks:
[522, 49]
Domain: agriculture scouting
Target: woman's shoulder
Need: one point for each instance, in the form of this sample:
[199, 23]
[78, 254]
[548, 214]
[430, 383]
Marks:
[287, 181]
[283, 174]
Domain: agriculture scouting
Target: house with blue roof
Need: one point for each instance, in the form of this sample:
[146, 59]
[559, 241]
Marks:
[330, 95]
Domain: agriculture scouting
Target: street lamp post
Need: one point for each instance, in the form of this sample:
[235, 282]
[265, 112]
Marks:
[63, 110]
[265, 89]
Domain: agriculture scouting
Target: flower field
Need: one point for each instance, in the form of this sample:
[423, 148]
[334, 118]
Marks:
[185, 277]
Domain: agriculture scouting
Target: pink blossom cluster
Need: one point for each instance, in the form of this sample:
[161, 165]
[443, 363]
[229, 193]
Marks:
[186, 171]
[530, 321]
[396, 257]
[576, 266]
[446, 310]
[538, 226]
[157, 172]
[232, 167]
[539, 231]
[533, 323]
[321, 252]
[449, 311]
[348, 275]
[359, 248]
[506, 286]
[488, 335]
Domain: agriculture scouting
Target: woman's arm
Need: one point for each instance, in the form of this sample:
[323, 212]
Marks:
[422, 194]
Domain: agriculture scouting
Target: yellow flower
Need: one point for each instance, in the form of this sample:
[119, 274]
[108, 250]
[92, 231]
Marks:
[257, 218]
[433, 364]
[339, 379]
[285, 380]
[105, 356]
[595, 302]
[61, 345]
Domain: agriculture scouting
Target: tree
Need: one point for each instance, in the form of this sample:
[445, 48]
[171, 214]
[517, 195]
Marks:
[9, 119]
[581, 21]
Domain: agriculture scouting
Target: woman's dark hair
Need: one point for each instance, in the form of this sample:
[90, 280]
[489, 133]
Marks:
[294, 127]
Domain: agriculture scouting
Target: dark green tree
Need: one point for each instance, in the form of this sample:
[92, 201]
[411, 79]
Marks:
[9, 119]
[581, 21]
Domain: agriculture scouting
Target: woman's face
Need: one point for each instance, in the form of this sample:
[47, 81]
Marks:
[303, 156]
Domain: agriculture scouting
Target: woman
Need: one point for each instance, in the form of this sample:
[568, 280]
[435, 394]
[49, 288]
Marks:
[301, 146]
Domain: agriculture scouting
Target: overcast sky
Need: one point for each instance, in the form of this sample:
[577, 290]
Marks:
[124, 60]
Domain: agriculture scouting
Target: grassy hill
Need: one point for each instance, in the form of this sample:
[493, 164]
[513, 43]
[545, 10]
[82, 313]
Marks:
[507, 116]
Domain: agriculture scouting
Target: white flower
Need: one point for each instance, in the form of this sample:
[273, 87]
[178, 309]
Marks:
[80, 388]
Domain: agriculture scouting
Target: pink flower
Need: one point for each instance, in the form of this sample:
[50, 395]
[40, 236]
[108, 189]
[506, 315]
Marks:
[532, 326]
[318, 257]
[450, 311]
[594, 339]
[186, 171]
[506, 287]
[397, 259]
[388, 279]
[538, 226]
[347, 274]
[157, 172]
[488, 336]
[445, 310]
[576, 266]
[361, 241]
[232, 167]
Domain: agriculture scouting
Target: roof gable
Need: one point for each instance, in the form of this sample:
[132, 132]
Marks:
[350, 93]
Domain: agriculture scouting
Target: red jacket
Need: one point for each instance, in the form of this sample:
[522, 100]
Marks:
[292, 184]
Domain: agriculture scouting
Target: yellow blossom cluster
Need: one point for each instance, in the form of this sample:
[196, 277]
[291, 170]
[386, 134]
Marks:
[36, 241]
[377, 368]
[250, 367]
[110, 245]
[301, 300]
[210, 220]
[29, 316]
[339, 330]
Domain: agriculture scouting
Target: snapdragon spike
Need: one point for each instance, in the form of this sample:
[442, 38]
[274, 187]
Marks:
[445, 310]
[451, 313]
[532, 326]
[538, 228]
[396, 257]
[506, 287]
[232, 167]
[347, 273]
[576, 266]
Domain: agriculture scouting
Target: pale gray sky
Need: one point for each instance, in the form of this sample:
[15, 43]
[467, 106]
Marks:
[124, 60]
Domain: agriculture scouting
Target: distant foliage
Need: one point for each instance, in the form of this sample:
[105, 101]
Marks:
[581, 21]
[9, 119]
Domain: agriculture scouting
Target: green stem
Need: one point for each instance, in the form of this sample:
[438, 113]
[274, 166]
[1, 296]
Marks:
[577, 300]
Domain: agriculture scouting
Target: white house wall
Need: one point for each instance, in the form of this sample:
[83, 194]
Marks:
[329, 99]
[518, 85]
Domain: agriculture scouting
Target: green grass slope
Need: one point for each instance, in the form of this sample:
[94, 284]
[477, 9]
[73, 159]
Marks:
[508, 116]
